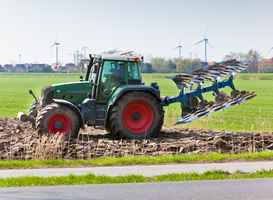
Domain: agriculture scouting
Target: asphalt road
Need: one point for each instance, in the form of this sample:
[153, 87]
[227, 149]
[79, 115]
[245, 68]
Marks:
[145, 170]
[216, 189]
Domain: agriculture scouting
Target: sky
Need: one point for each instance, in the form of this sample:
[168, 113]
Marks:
[149, 27]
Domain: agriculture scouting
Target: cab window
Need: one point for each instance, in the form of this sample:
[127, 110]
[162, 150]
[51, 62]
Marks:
[133, 73]
[112, 77]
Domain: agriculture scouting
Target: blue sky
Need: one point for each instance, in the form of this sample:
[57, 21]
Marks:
[154, 27]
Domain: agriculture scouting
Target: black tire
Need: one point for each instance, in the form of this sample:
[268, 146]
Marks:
[32, 112]
[136, 115]
[57, 118]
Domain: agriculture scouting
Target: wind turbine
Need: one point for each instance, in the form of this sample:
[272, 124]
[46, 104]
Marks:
[270, 49]
[77, 56]
[56, 44]
[190, 56]
[206, 42]
[84, 51]
[195, 54]
[180, 47]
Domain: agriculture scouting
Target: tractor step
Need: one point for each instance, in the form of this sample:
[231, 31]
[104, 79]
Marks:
[100, 114]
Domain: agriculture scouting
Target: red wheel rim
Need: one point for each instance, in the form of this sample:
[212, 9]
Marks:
[138, 117]
[59, 124]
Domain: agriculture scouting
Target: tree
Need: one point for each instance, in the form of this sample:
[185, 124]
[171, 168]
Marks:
[238, 56]
[168, 67]
[157, 64]
[146, 68]
[179, 64]
[47, 69]
[253, 56]
[37, 69]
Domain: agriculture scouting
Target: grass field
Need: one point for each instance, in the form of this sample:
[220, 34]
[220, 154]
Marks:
[254, 115]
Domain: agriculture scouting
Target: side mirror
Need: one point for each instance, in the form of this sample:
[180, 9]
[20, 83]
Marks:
[81, 78]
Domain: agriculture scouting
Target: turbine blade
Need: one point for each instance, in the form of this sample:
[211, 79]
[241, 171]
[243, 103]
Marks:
[56, 37]
[270, 49]
[198, 42]
[206, 31]
[175, 48]
[210, 45]
[53, 45]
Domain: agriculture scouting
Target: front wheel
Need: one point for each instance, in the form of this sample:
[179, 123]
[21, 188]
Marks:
[56, 119]
[136, 115]
[33, 109]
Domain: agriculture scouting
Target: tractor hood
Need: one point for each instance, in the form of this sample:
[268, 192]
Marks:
[82, 85]
[74, 92]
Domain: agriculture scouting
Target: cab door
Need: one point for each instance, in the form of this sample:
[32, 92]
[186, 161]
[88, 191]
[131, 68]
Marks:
[111, 77]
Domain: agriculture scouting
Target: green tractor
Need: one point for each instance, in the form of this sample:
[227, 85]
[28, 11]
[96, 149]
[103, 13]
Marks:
[113, 96]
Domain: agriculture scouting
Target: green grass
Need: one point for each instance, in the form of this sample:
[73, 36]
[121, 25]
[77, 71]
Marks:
[92, 179]
[145, 160]
[14, 89]
[253, 115]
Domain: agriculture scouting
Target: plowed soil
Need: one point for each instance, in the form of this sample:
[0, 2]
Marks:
[19, 141]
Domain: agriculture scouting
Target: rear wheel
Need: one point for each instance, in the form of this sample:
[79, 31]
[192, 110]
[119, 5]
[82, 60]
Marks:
[136, 114]
[57, 119]
[33, 109]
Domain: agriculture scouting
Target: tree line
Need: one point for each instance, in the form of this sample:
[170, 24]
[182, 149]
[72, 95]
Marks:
[180, 65]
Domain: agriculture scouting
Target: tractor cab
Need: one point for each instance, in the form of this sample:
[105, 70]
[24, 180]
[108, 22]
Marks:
[107, 73]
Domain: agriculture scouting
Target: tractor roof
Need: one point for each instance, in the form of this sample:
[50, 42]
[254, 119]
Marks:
[122, 56]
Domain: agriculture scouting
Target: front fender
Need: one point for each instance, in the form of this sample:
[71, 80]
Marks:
[71, 105]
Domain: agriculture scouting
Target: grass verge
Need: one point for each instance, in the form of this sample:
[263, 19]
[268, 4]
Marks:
[147, 160]
[92, 179]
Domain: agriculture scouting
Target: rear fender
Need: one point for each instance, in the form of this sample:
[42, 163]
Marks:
[72, 106]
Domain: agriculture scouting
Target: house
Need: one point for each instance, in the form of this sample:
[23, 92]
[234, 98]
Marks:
[8, 67]
[69, 67]
[20, 68]
[266, 66]
[55, 66]
[204, 64]
[38, 65]
[2, 69]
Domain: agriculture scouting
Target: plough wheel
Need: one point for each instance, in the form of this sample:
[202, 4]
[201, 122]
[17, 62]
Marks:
[136, 114]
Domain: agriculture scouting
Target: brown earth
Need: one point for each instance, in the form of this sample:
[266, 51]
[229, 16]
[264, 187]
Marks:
[18, 141]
